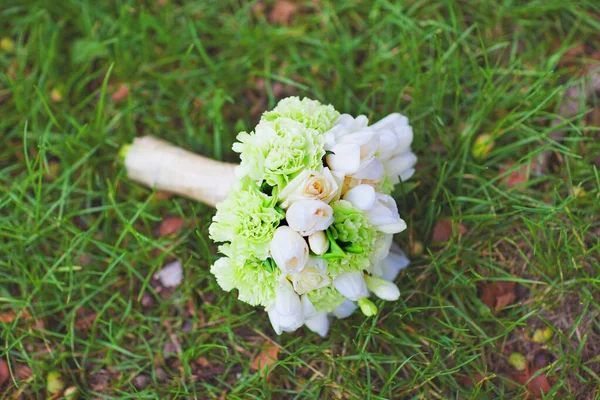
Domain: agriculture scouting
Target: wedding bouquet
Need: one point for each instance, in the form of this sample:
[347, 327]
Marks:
[307, 220]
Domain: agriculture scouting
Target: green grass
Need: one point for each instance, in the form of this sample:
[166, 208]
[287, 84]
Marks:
[78, 238]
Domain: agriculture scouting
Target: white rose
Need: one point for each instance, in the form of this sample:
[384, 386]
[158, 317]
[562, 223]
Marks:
[313, 276]
[309, 216]
[309, 185]
[289, 250]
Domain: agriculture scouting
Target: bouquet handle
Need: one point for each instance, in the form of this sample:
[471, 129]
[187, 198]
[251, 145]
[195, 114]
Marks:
[158, 164]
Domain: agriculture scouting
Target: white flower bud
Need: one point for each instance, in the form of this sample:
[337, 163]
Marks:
[351, 285]
[400, 167]
[344, 157]
[309, 216]
[318, 323]
[345, 309]
[384, 215]
[286, 313]
[362, 197]
[390, 267]
[318, 242]
[289, 250]
[383, 289]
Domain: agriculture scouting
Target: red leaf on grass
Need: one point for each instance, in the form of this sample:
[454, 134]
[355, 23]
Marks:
[4, 373]
[442, 231]
[518, 178]
[539, 385]
[266, 358]
[498, 295]
[121, 93]
[170, 226]
[282, 12]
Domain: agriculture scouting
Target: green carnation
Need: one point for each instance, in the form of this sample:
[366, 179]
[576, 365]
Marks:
[279, 150]
[247, 218]
[325, 299]
[310, 113]
[253, 280]
[351, 228]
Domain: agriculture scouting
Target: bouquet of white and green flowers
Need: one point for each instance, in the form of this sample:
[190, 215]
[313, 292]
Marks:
[307, 219]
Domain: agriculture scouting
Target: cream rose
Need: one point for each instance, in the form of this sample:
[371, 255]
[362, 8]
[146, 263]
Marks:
[312, 185]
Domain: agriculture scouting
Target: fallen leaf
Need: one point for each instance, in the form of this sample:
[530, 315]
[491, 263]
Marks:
[282, 12]
[498, 295]
[442, 231]
[516, 179]
[539, 385]
[4, 372]
[23, 372]
[266, 358]
[121, 93]
[170, 275]
[170, 226]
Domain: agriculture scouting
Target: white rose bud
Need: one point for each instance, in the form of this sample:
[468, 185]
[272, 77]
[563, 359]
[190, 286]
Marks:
[309, 216]
[318, 242]
[289, 250]
[383, 289]
[308, 185]
[313, 276]
[351, 285]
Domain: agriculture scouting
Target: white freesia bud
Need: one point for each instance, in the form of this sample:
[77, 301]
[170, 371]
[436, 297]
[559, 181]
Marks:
[400, 167]
[318, 242]
[384, 215]
[382, 246]
[390, 267]
[318, 323]
[309, 216]
[345, 309]
[362, 197]
[309, 185]
[314, 320]
[313, 276]
[383, 289]
[289, 250]
[344, 157]
[351, 285]
[354, 153]
[381, 209]
[371, 169]
[398, 124]
[286, 313]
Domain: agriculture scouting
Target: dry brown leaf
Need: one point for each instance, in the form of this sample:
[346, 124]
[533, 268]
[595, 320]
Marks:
[170, 226]
[121, 93]
[442, 231]
[266, 358]
[282, 12]
[498, 295]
